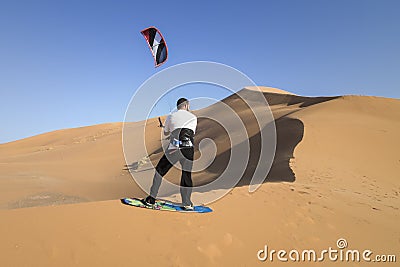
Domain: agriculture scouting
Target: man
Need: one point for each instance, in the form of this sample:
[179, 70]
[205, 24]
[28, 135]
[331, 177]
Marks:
[181, 125]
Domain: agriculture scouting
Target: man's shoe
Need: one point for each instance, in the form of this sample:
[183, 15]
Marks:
[149, 201]
[188, 208]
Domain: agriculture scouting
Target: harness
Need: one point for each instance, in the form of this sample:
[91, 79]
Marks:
[183, 137]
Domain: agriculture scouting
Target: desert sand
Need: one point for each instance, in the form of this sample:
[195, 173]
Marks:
[335, 175]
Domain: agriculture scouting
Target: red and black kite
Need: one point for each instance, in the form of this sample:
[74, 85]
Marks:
[157, 45]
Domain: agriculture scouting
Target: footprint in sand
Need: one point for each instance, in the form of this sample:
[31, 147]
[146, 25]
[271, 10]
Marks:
[303, 192]
[228, 239]
[211, 251]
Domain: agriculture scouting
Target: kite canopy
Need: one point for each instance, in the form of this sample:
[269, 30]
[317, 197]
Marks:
[157, 45]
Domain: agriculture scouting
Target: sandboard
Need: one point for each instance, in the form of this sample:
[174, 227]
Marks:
[164, 206]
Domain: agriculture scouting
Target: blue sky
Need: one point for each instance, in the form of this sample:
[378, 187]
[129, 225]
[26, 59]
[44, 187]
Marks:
[73, 63]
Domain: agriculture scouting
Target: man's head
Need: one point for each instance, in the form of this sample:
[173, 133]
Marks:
[182, 103]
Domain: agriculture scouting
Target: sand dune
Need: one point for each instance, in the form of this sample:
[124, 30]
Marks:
[335, 175]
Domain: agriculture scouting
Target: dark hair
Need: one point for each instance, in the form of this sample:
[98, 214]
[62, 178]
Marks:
[181, 101]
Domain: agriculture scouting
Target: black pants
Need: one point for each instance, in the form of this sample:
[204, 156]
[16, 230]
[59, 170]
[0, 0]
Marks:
[165, 164]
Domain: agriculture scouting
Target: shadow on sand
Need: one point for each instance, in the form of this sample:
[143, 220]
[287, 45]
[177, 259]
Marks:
[289, 133]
